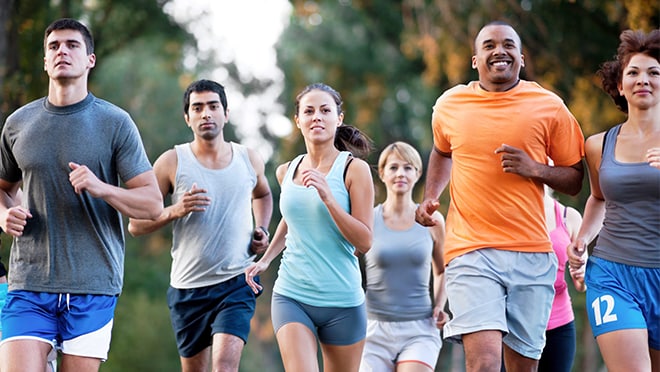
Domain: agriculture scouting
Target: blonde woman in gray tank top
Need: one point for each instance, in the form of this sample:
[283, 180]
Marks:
[403, 316]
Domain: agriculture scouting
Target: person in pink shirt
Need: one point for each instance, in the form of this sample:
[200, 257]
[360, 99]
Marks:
[563, 224]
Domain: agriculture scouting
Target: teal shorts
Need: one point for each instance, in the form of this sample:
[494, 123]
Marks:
[509, 291]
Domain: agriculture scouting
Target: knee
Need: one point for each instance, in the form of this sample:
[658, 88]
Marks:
[484, 361]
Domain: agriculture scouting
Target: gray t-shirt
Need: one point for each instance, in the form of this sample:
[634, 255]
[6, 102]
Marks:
[73, 243]
[631, 228]
[398, 272]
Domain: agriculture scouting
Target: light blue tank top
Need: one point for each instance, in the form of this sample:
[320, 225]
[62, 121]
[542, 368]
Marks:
[631, 229]
[318, 266]
[213, 246]
[398, 268]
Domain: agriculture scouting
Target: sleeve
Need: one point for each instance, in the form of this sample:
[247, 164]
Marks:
[566, 143]
[439, 139]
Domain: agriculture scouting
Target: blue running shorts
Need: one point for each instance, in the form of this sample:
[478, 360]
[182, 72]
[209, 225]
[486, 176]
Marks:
[75, 324]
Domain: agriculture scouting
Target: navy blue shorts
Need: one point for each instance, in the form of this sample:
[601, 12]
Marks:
[199, 313]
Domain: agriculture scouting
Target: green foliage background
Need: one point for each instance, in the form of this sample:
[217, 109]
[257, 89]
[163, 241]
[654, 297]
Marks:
[389, 59]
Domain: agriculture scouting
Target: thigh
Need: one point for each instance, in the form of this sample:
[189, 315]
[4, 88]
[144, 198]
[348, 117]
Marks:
[483, 351]
[227, 351]
[24, 355]
[625, 350]
[298, 347]
[342, 358]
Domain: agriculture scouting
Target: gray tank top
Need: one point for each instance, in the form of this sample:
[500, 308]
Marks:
[211, 247]
[398, 272]
[631, 229]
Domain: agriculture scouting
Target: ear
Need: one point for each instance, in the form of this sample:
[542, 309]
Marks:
[295, 119]
[341, 119]
[474, 62]
[619, 87]
[522, 60]
[187, 119]
[91, 60]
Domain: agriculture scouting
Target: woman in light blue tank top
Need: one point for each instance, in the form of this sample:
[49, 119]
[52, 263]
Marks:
[623, 272]
[404, 318]
[326, 202]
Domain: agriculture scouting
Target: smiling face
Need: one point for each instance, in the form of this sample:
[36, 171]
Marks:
[206, 115]
[66, 55]
[640, 82]
[498, 57]
[317, 116]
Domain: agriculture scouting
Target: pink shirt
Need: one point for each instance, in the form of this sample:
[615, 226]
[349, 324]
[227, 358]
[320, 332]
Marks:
[562, 311]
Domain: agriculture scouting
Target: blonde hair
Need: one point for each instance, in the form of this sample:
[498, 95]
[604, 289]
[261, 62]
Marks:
[402, 150]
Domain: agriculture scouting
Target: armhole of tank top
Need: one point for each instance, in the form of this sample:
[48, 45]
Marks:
[294, 170]
[602, 150]
[349, 159]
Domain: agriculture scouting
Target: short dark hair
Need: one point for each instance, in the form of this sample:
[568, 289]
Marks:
[494, 23]
[611, 72]
[71, 24]
[204, 85]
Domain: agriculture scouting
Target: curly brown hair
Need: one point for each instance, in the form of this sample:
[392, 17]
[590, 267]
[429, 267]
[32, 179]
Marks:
[632, 42]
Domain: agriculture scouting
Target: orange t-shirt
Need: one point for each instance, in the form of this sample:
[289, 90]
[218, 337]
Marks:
[490, 208]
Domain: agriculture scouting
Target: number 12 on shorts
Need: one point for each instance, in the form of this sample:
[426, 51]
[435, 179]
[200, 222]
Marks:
[607, 316]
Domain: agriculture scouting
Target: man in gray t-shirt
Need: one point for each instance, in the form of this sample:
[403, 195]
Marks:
[68, 153]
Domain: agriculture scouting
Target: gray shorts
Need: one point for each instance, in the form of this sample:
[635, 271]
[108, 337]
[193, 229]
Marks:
[332, 325]
[491, 289]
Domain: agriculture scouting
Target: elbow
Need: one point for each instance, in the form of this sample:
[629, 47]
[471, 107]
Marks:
[155, 211]
[137, 227]
[134, 231]
[365, 246]
[575, 190]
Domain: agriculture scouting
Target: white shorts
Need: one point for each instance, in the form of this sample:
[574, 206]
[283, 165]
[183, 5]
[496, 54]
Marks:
[391, 343]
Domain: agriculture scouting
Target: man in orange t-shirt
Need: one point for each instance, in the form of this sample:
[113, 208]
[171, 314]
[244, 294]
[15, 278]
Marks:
[492, 139]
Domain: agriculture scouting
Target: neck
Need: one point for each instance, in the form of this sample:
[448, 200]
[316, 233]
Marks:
[495, 87]
[645, 121]
[65, 94]
[210, 147]
[319, 157]
[398, 204]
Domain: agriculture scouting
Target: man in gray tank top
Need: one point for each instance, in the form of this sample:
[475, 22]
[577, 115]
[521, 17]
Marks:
[219, 194]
